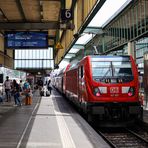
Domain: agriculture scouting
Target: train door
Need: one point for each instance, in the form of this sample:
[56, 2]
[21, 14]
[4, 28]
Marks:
[62, 84]
[80, 82]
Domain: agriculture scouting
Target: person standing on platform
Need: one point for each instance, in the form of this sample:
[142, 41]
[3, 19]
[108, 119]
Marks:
[49, 87]
[16, 93]
[21, 86]
[27, 91]
[26, 87]
[7, 85]
[40, 84]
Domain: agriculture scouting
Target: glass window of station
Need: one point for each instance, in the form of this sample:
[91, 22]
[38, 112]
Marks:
[128, 25]
[35, 58]
[141, 49]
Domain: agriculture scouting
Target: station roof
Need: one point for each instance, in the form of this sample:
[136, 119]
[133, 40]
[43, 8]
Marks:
[30, 15]
[94, 27]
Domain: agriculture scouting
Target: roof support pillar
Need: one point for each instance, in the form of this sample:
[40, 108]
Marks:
[131, 49]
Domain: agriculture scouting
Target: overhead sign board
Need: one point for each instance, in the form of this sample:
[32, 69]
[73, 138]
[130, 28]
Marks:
[25, 40]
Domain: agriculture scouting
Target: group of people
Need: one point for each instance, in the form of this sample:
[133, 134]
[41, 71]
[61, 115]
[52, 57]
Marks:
[13, 88]
[44, 86]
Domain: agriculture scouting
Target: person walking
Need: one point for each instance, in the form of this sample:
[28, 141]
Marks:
[16, 93]
[7, 85]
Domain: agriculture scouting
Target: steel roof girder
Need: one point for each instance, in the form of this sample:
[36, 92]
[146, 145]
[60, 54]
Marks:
[29, 26]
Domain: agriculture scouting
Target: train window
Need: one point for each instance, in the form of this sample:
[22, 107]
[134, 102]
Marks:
[101, 69]
[122, 68]
[101, 64]
[112, 70]
[102, 72]
[81, 72]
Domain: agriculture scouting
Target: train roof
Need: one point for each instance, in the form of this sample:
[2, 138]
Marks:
[102, 58]
[110, 57]
[64, 69]
[74, 65]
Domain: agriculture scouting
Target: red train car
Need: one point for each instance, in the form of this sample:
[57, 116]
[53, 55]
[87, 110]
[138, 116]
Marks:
[105, 87]
[60, 82]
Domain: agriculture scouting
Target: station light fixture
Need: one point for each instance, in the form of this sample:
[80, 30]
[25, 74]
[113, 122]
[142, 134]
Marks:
[69, 56]
[84, 39]
[63, 63]
[73, 50]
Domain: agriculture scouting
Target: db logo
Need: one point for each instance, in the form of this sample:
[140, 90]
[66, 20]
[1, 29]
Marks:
[114, 90]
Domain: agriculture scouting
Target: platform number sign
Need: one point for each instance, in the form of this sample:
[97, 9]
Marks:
[66, 14]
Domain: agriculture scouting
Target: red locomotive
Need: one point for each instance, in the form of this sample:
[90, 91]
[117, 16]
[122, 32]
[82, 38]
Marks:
[105, 87]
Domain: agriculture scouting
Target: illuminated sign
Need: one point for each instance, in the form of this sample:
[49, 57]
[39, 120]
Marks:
[25, 40]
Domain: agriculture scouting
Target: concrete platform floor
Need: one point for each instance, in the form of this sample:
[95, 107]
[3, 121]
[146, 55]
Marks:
[50, 122]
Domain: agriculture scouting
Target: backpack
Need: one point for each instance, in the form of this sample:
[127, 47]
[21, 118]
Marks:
[26, 85]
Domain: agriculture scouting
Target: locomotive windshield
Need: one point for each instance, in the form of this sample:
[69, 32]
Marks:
[112, 71]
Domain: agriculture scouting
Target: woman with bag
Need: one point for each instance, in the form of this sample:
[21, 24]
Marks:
[27, 91]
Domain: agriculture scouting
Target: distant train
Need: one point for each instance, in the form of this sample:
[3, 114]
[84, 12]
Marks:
[103, 87]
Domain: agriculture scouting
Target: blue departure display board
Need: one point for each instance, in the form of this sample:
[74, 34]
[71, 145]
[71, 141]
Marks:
[25, 40]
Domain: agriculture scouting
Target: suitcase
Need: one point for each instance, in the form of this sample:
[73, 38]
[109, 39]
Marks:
[28, 100]
[47, 93]
[41, 93]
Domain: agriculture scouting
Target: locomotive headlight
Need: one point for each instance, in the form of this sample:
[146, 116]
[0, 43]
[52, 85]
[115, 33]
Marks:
[97, 92]
[125, 90]
[131, 91]
[100, 90]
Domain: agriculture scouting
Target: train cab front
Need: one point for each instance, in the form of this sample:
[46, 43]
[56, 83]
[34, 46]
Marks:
[114, 93]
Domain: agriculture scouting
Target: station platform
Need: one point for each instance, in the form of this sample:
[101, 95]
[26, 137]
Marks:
[50, 122]
[145, 116]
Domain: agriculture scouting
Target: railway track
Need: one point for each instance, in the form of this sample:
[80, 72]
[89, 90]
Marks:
[134, 137]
